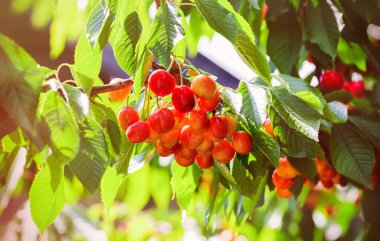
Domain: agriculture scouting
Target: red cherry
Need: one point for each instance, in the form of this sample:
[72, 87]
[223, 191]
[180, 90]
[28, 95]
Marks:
[190, 138]
[268, 127]
[356, 88]
[203, 87]
[203, 162]
[184, 156]
[209, 105]
[284, 193]
[181, 119]
[162, 120]
[161, 82]
[280, 182]
[286, 170]
[198, 121]
[163, 150]
[217, 130]
[331, 80]
[138, 132]
[223, 151]
[183, 98]
[327, 184]
[170, 138]
[185, 162]
[242, 142]
[231, 124]
[205, 147]
[127, 116]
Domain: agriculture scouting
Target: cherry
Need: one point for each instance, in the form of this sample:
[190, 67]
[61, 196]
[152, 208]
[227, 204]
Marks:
[203, 87]
[328, 184]
[268, 127]
[190, 138]
[242, 142]
[184, 156]
[264, 13]
[170, 138]
[153, 136]
[161, 82]
[307, 183]
[280, 182]
[284, 193]
[119, 95]
[183, 98]
[205, 147]
[203, 162]
[185, 162]
[327, 174]
[209, 105]
[331, 80]
[223, 151]
[163, 150]
[198, 121]
[356, 88]
[217, 130]
[231, 124]
[127, 116]
[162, 120]
[181, 119]
[138, 132]
[286, 170]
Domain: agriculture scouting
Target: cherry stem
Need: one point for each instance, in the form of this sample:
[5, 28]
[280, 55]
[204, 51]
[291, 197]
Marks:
[59, 69]
[180, 72]
[158, 102]
[186, 4]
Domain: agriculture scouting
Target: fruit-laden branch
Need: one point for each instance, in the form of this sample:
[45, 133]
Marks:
[111, 87]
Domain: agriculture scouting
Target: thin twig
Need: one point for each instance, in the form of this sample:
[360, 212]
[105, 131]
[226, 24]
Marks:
[112, 87]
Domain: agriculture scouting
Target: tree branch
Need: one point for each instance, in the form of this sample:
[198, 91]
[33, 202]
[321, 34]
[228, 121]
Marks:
[111, 87]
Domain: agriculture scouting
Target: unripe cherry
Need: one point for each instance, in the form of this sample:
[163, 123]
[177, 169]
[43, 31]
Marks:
[161, 82]
[223, 151]
[183, 98]
[242, 142]
[203, 87]
[127, 116]
[138, 132]
[189, 138]
[198, 121]
[162, 120]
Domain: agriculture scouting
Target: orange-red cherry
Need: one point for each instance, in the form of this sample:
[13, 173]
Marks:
[198, 121]
[203, 161]
[162, 120]
[203, 87]
[127, 116]
[138, 132]
[242, 142]
[223, 151]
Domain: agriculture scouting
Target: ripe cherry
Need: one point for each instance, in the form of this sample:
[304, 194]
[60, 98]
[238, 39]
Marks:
[163, 150]
[119, 95]
[209, 105]
[183, 98]
[284, 193]
[198, 121]
[242, 142]
[127, 116]
[170, 138]
[217, 130]
[138, 132]
[223, 151]
[161, 82]
[331, 80]
[153, 136]
[356, 88]
[185, 162]
[286, 170]
[328, 184]
[190, 138]
[268, 127]
[205, 147]
[280, 182]
[185, 152]
[203, 162]
[162, 120]
[231, 124]
[203, 87]
[181, 119]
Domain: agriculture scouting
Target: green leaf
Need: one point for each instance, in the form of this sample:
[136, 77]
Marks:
[305, 166]
[322, 28]
[336, 112]
[300, 88]
[293, 142]
[266, 146]
[47, 194]
[296, 113]
[284, 41]
[352, 156]
[87, 64]
[124, 43]
[232, 100]
[96, 23]
[78, 101]
[224, 171]
[254, 104]
[223, 19]
[369, 127]
[109, 186]
[160, 187]
[20, 84]
[352, 53]
[165, 32]
[64, 131]
[90, 163]
[184, 182]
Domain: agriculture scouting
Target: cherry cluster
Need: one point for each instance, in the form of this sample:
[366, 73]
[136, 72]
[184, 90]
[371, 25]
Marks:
[188, 126]
[332, 80]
